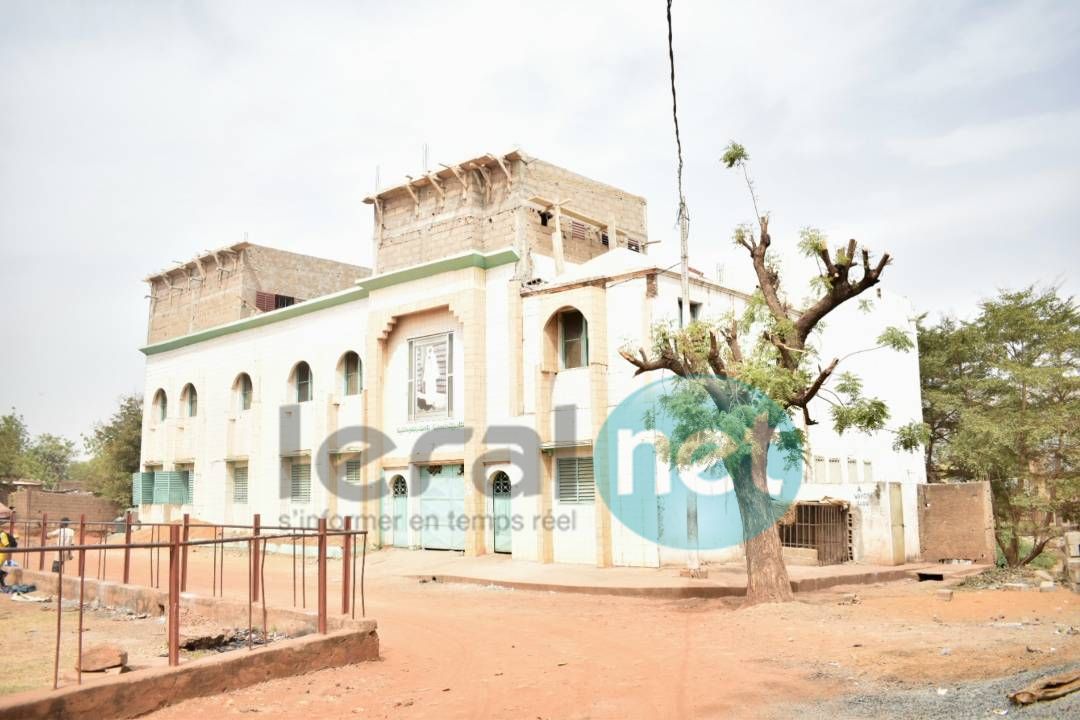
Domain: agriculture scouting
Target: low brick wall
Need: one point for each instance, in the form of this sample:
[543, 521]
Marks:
[144, 691]
[29, 504]
[956, 522]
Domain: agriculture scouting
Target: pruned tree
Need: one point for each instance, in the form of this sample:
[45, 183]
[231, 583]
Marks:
[769, 350]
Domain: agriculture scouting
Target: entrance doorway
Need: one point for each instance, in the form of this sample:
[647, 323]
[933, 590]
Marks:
[442, 505]
[500, 515]
[399, 512]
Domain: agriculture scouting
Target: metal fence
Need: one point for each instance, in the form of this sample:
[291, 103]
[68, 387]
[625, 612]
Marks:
[175, 540]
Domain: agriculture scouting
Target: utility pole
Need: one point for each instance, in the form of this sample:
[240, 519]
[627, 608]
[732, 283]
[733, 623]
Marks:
[693, 561]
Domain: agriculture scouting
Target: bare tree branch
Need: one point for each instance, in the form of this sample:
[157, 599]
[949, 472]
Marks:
[804, 398]
[841, 289]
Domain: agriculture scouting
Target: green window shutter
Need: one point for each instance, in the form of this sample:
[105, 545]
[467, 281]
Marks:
[352, 472]
[188, 484]
[575, 481]
[142, 488]
[172, 487]
[161, 488]
[240, 485]
[300, 484]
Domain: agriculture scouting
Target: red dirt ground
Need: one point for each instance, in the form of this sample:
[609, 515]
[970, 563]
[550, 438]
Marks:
[460, 651]
[466, 651]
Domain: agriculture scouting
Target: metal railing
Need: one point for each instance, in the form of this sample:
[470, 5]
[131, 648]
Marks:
[177, 547]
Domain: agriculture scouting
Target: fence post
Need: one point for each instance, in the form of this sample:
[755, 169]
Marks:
[127, 547]
[82, 541]
[322, 576]
[44, 537]
[346, 565]
[11, 524]
[174, 595]
[183, 556]
[256, 523]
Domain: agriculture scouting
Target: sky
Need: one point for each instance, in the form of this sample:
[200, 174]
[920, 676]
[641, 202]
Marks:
[137, 134]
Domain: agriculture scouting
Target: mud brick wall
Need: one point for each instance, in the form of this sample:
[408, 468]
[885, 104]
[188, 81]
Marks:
[223, 292]
[29, 504]
[956, 521]
[484, 219]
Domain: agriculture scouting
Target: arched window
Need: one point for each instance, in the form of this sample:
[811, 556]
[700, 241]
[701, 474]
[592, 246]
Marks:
[573, 339]
[161, 406]
[189, 400]
[349, 373]
[302, 381]
[242, 389]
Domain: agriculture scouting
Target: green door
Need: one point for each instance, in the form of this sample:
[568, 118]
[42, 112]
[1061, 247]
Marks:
[500, 511]
[399, 512]
[442, 506]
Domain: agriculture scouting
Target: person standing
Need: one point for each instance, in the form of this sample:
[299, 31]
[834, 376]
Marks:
[65, 538]
[7, 540]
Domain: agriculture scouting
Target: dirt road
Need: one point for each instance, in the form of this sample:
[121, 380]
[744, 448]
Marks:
[461, 651]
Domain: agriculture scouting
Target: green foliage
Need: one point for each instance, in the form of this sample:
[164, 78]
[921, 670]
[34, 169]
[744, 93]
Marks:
[911, 437]
[854, 411]
[48, 460]
[897, 339]
[812, 242]
[848, 384]
[865, 414]
[14, 440]
[45, 458]
[735, 155]
[1001, 398]
[115, 448]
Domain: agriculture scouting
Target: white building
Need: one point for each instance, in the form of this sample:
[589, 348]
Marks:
[491, 306]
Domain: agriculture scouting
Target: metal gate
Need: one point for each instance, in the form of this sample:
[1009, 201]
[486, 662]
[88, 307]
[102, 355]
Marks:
[500, 511]
[819, 526]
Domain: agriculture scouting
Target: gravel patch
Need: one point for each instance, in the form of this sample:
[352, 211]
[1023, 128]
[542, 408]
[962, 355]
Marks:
[975, 699]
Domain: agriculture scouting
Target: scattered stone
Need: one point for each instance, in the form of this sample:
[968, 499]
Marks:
[1032, 650]
[946, 651]
[1042, 575]
[945, 595]
[943, 691]
[849, 599]
[102, 657]
[1047, 586]
[1016, 586]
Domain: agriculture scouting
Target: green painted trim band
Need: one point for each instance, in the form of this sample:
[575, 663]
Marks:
[470, 259]
[364, 287]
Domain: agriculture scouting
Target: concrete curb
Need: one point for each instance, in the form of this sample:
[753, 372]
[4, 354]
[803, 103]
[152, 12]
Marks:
[675, 592]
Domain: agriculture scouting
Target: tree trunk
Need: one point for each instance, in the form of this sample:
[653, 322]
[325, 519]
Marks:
[766, 575]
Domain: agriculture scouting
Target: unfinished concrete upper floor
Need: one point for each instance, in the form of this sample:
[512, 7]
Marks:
[495, 201]
[236, 282]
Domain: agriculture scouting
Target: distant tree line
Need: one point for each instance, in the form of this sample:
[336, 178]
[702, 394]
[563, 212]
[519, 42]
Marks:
[112, 448]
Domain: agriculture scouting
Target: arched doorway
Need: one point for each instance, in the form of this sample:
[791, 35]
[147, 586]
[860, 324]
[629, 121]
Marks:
[399, 512]
[500, 504]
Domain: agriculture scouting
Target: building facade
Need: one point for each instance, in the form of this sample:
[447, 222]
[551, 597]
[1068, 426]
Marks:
[451, 399]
